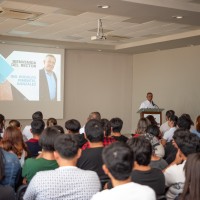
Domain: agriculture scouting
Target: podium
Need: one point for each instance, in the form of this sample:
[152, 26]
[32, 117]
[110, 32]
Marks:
[156, 112]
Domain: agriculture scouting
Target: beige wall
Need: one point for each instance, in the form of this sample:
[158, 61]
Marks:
[172, 76]
[97, 81]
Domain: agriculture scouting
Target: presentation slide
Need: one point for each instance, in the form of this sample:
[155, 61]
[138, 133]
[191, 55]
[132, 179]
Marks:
[31, 79]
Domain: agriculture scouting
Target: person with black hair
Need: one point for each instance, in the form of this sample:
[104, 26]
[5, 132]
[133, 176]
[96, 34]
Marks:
[91, 158]
[196, 131]
[116, 127]
[68, 181]
[51, 121]
[73, 126]
[46, 160]
[118, 164]
[185, 121]
[142, 173]
[186, 144]
[165, 127]
[27, 135]
[37, 126]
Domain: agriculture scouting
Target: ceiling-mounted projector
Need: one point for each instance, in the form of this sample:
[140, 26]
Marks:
[100, 35]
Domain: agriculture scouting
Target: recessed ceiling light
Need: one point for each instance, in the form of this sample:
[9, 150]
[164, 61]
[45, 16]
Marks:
[103, 6]
[177, 17]
[99, 50]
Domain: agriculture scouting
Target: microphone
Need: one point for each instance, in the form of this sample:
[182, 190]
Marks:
[153, 103]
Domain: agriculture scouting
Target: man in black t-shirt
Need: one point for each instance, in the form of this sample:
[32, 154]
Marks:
[91, 158]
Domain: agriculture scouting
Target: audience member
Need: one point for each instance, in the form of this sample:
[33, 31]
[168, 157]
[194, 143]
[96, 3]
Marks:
[153, 134]
[73, 126]
[15, 123]
[118, 163]
[51, 122]
[196, 131]
[165, 127]
[91, 158]
[116, 127]
[108, 139]
[152, 120]
[142, 173]
[185, 122]
[13, 142]
[167, 137]
[186, 143]
[27, 135]
[46, 160]
[59, 128]
[93, 115]
[192, 178]
[66, 182]
[37, 126]
[2, 125]
[142, 125]
[9, 169]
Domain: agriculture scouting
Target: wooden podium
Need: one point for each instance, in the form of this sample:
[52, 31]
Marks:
[156, 112]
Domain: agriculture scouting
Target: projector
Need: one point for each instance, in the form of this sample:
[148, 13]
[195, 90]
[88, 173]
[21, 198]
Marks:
[97, 37]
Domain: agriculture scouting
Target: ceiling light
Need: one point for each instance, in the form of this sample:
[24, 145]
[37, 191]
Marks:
[103, 6]
[178, 17]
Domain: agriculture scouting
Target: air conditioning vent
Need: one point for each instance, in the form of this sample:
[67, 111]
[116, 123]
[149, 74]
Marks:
[19, 14]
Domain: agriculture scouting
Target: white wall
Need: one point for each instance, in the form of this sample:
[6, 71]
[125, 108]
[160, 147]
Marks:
[172, 76]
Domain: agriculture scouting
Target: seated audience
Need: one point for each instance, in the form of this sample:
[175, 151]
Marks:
[152, 120]
[93, 115]
[186, 144]
[167, 137]
[13, 142]
[108, 139]
[37, 126]
[185, 122]
[15, 123]
[142, 125]
[73, 126]
[142, 173]
[196, 131]
[116, 127]
[153, 134]
[66, 182]
[46, 160]
[51, 122]
[192, 178]
[165, 127]
[118, 163]
[9, 169]
[59, 128]
[27, 135]
[91, 158]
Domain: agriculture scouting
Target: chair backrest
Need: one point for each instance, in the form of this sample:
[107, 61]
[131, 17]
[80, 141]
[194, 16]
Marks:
[20, 192]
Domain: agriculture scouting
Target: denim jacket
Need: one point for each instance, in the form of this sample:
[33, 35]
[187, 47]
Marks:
[12, 169]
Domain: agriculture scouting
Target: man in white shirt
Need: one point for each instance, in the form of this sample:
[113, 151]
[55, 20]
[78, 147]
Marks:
[118, 164]
[67, 181]
[149, 102]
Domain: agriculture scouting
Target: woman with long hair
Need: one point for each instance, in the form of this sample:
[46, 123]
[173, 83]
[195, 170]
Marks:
[13, 142]
[191, 189]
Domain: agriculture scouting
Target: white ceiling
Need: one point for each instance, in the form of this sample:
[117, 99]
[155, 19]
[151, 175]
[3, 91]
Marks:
[138, 25]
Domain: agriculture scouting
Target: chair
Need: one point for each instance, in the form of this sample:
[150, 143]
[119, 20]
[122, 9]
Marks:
[21, 191]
